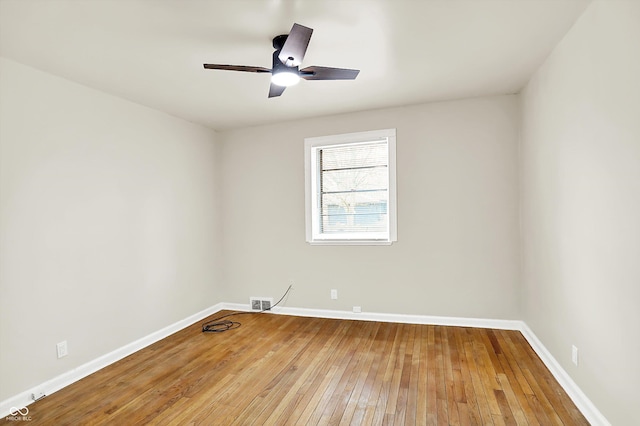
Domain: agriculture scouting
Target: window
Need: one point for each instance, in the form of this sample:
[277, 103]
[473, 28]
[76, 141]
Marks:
[351, 188]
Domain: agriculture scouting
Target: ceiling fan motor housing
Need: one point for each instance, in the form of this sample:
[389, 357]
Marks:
[278, 66]
[278, 41]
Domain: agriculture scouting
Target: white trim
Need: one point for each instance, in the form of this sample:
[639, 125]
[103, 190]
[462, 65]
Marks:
[65, 379]
[400, 318]
[350, 242]
[366, 136]
[584, 404]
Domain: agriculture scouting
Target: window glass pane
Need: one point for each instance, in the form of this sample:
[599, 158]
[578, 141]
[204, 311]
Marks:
[353, 188]
[354, 212]
[351, 223]
[355, 179]
[350, 200]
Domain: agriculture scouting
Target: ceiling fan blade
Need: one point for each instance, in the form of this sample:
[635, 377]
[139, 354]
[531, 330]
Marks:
[294, 48]
[327, 73]
[275, 90]
[236, 68]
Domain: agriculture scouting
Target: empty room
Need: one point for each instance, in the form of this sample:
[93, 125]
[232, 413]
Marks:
[356, 212]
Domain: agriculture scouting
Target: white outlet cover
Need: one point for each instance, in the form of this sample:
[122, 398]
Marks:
[574, 355]
[334, 294]
[62, 349]
[37, 395]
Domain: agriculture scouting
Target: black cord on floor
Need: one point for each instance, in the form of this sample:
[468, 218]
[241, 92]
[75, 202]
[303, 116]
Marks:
[217, 326]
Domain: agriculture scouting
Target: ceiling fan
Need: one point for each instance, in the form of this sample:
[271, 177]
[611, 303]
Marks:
[290, 50]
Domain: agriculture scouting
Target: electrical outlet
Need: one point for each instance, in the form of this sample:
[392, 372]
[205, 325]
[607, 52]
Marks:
[266, 305]
[357, 309]
[574, 355]
[62, 349]
[334, 294]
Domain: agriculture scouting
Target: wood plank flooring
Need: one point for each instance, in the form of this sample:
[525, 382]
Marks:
[286, 370]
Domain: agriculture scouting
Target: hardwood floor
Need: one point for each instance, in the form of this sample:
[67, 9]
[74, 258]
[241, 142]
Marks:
[285, 370]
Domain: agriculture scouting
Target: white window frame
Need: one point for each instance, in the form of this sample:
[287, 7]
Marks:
[312, 177]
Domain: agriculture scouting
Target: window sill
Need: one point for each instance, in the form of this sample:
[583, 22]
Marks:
[350, 243]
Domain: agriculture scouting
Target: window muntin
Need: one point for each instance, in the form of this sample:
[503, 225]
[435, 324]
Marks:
[351, 188]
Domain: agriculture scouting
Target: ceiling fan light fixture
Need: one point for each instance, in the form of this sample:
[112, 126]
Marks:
[285, 78]
[286, 60]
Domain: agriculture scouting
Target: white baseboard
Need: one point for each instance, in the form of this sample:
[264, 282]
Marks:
[385, 317]
[23, 399]
[588, 409]
[584, 404]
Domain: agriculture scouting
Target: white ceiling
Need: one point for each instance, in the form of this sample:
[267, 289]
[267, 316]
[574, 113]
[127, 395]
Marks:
[408, 51]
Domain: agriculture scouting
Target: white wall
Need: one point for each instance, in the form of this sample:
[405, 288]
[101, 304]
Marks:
[109, 223]
[581, 205]
[457, 251]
